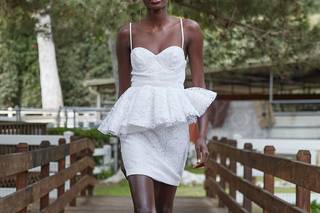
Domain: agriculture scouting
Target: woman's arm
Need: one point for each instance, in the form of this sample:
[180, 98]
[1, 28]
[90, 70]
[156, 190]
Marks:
[195, 54]
[123, 57]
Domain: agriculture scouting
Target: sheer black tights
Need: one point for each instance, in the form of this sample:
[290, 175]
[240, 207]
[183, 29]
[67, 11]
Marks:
[151, 196]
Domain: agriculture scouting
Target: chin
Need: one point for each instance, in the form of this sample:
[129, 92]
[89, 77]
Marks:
[155, 4]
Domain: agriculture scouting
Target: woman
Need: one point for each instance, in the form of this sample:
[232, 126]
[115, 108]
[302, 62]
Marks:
[153, 111]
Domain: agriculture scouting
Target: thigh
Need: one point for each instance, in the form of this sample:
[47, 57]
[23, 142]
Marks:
[164, 196]
[142, 192]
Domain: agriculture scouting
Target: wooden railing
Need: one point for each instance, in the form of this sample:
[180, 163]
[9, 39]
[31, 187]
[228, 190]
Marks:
[15, 128]
[18, 164]
[222, 163]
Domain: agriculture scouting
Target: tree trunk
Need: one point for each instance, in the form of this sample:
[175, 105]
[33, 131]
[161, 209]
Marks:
[51, 93]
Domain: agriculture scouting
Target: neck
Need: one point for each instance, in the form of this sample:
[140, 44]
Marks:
[157, 18]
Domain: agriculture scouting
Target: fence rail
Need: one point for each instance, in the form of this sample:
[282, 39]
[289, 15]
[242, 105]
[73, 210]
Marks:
[70, 117]
[223, 159]
[14, 128]
[18, 164]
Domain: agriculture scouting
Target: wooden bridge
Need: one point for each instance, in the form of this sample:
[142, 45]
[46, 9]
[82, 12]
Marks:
[221, 184]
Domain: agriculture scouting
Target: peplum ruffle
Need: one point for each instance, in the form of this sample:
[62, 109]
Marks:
[148, 107]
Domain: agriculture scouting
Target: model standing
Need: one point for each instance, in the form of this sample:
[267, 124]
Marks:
[152, 114]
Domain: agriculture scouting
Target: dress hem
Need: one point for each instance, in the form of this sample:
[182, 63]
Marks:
[155, 177]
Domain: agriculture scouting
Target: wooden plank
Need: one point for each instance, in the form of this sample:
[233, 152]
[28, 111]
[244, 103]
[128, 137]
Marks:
[230, 202]
[69, 195]
[84, 172]
[247, 174]
[28, 160]
[212, 155]
[263, 198]
[73, 159]
[233, 168]
[268, 180]
[22, 177]
[44, 200]
[302, 194]
[90, 171]
[34, 191]
[61, 167]
[117, 204]
[300, 173]
[81, 144]
[222, 181]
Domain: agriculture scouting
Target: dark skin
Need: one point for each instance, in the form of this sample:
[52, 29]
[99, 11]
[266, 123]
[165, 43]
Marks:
[154, 32]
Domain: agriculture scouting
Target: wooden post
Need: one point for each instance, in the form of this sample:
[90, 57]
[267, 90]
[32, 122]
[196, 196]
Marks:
[73, 159]
[22, 177]
[61, 166]
[222, 182]
[268, 180]
[233, 168]
[206, 185]
[247, 174]
[214, 158]
[302, 194]
[83, 154]
[90, 172]
[44, 200]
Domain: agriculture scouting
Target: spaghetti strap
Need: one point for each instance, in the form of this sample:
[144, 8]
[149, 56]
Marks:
[182, 33]
[130, 36]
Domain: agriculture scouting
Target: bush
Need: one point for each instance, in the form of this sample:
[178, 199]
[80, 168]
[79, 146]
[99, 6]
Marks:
[104, 174]
[315, 207]
[99, 138]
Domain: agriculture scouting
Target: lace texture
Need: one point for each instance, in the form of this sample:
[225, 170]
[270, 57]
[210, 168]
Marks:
[141, 108]
[157, 97]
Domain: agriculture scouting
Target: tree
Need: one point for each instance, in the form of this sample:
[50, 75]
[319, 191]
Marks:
[237, 32]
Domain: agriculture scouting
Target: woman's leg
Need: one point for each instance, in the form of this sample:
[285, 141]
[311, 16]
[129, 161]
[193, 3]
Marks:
[142, 192]
[164, 196]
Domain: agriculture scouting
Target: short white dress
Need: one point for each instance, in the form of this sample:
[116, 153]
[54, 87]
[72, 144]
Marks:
[152, 117]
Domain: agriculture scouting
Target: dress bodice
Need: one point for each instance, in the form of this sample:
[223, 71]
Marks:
[156, 97]
[166, 68]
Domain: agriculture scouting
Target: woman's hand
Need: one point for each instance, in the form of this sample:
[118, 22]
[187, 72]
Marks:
[202, 152]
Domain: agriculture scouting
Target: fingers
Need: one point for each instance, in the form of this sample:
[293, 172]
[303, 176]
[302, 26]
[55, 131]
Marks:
[202, 155]
[205, 155]
[198, 151]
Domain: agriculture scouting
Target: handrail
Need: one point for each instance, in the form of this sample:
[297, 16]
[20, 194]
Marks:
[80, 151]
[299, 172]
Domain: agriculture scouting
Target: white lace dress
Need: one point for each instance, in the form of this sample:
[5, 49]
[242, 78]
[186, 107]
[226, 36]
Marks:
[152, 117]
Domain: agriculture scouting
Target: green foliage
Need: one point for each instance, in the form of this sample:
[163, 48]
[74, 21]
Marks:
[243, 32]
[104, 174]
[236, 33]
[315, 207]
[94, 134]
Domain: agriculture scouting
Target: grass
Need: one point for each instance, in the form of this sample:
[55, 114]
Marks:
[122, 189]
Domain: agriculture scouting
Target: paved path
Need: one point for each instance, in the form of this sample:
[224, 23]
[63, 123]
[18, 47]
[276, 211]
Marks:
[99, 204]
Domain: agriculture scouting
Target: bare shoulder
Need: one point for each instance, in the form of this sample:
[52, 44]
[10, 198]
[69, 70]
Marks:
[191, 25]
[123, 32]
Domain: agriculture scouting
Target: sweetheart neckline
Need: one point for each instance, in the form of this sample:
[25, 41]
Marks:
[160, 51]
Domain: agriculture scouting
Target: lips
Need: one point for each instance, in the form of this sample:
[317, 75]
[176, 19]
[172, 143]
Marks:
[155, 1]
